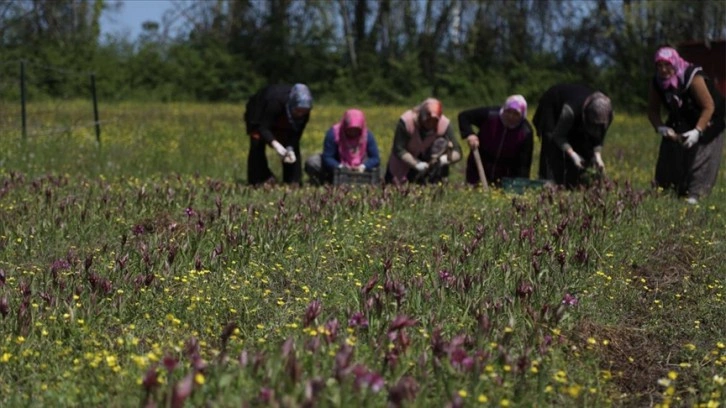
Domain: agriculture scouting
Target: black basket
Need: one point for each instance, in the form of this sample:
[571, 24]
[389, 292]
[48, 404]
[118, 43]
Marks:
[346, 176]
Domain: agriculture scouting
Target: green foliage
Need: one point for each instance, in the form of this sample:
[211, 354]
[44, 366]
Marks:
[383, 52]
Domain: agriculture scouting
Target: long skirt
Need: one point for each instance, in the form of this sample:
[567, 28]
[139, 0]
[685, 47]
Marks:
[690, 172]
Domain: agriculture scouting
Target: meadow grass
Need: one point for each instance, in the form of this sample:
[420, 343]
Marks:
[144, 272]
[142, 139]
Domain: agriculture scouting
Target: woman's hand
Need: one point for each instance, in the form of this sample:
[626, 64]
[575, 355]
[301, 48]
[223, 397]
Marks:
[691, 137]
[473, 141]
[599, 163]
[576, 159]
[667, 133]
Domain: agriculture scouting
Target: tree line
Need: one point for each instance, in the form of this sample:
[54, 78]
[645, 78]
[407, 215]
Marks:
[354, 51]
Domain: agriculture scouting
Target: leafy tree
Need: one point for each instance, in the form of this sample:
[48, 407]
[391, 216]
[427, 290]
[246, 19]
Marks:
[52, 33]
[378, 51]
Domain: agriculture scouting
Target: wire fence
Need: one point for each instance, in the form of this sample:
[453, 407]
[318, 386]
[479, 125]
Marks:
[26, 109]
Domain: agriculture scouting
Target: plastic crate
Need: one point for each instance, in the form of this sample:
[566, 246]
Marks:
[345, 176]
[519, 185]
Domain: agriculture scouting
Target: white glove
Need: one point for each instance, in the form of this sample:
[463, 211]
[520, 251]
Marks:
[577, 160]
[667, 132]
[280, 149]
[289, 157]
[361, 168]
[422, 166]
[690, 138]
[444, 160]
[598, 161]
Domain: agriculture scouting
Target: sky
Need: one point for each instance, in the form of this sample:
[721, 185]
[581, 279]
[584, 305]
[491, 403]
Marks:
[131, 14]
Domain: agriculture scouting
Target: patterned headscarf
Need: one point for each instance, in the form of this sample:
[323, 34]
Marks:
[351, 151]
[516, 102]
[300, 97]
[429, 108]
[598, 109]
[671, 56]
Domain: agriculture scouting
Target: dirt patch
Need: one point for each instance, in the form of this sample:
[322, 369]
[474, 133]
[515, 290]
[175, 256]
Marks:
[635, 358]
[667, 266]
[638, 353]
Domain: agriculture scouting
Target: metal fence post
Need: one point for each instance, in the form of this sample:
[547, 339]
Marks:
[23, 114]
[95, 109]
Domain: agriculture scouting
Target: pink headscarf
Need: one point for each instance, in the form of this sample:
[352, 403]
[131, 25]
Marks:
[352, 151]
[516, 102]
[671, 56]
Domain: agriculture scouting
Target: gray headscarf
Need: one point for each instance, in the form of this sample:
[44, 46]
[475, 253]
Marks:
[598, 109]
[300, 97]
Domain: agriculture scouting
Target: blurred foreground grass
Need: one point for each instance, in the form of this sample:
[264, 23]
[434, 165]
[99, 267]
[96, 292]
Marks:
[143, 273]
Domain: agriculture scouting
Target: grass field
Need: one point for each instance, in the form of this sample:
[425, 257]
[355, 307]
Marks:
[145, 272]
[139, 140]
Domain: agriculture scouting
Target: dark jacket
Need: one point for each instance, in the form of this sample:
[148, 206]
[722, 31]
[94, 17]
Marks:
[505, 152]
[565, 101]
[331, 156]
[684, 112]
[560, 124]
[267, 116]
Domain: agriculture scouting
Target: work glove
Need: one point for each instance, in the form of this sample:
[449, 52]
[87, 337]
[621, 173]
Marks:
[576, 159]
[691, 137]
[444, 160]
[422, 166]
[360, 168]
[667, 132]
[280, 149]
[473, 141]
[598, 162]
[289, 157]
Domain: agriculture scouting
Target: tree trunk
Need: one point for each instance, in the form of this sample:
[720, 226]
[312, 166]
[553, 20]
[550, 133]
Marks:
[348, 33]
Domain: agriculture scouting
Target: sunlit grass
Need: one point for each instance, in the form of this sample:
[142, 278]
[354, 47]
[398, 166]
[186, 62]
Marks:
[145, 270]
[143, 139]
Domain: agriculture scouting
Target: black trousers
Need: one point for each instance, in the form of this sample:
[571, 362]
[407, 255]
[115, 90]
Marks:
[317, 173]
[258, 170]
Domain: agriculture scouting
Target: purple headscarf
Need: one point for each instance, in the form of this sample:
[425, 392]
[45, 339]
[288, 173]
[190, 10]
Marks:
[516, 102]
[671, 56]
